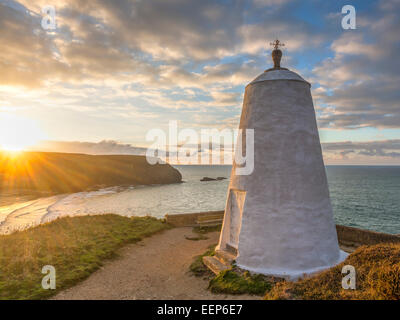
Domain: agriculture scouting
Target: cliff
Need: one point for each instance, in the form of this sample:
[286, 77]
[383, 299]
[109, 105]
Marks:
[53, 173]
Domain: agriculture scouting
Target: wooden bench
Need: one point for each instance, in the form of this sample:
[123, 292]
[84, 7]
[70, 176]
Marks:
[210, 220]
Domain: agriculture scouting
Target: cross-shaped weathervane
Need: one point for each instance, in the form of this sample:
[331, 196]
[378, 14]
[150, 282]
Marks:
[276, 44]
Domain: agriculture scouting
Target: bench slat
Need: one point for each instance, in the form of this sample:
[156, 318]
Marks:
[209, 218]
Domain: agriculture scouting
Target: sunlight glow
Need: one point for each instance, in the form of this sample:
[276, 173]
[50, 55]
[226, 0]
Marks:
[18, 133]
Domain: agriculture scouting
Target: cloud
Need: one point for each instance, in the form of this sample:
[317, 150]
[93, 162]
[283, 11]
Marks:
[359, 84]
[384, 151]
[26, 50]
[100, 148]
[152, 41]
[378, 152]
[128, 65]
[268, 3]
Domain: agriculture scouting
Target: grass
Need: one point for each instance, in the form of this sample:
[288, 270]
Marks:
[377, 278]
[230, 281]
[197, 267]
[233, 282]
[76, 247]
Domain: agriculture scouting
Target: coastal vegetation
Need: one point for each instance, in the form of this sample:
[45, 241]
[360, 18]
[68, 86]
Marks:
[229, 281]
[45, 173]
[78, 246]
[377, 278]
[75, 247]
[234, 282]
[198, 267]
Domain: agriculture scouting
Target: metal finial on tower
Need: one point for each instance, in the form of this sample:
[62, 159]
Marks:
[276, 44]
[277, 53]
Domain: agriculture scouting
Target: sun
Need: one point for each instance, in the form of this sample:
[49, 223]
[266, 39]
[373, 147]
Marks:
[18, 133]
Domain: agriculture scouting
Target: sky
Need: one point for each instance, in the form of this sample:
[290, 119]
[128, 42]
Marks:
[111, 71]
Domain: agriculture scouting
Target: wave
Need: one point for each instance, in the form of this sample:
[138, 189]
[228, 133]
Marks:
[21, 216]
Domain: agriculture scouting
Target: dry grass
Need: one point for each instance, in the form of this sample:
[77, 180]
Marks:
[76, 247]
[377, 277]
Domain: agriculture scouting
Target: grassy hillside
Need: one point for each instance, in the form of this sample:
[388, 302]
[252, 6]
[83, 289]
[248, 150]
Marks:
[76, 247]
[377, 277]
[53, 173]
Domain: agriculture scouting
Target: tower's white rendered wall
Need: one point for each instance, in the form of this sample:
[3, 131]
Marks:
[280, 218]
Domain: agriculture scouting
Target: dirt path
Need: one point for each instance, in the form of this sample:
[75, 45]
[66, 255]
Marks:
[155, 268]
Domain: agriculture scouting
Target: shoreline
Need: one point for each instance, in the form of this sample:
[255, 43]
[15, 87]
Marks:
[24, 215]
[19, 216]
[376, 212]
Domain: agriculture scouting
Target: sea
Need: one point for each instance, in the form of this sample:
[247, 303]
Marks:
[366, 197]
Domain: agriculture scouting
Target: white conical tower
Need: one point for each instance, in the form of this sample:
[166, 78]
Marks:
[278, 220]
